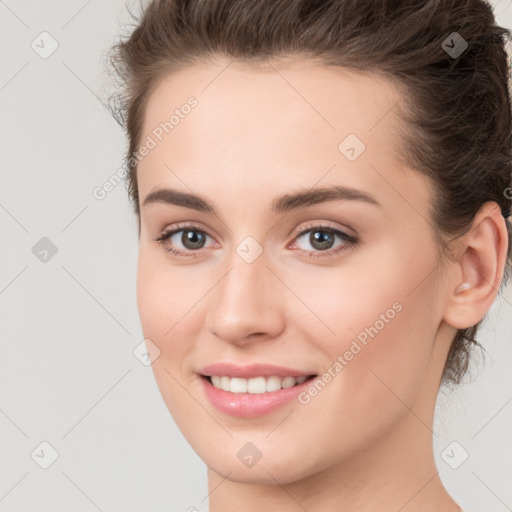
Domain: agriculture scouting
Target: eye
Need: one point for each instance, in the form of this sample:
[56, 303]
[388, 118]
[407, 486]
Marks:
[322, 239]
[190, 237]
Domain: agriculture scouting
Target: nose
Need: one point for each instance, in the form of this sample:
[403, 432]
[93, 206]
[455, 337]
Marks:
[245, 304]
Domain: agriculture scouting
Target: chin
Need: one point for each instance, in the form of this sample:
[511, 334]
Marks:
[270, 472]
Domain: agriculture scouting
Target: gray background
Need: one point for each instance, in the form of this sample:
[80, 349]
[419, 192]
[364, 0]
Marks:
[70, 324]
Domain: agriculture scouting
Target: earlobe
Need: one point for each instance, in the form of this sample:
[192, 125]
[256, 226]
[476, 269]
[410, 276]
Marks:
[479, 270]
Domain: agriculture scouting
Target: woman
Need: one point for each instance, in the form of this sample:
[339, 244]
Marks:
[322, 190]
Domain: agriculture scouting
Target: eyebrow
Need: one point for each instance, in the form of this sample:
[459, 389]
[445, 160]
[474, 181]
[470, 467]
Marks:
[285, 203]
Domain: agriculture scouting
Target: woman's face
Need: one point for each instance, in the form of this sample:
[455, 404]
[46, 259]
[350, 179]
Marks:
[360, 307]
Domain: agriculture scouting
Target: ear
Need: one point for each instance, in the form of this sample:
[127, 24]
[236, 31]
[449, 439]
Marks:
[477, 268]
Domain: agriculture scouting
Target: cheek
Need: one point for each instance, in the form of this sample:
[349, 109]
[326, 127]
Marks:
[151, 299]
[164, 294]
[378, 317]
[163, 300]
[171, 303]
[378, 356]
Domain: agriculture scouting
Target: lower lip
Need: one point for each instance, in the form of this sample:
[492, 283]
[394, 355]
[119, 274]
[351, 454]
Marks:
[251, 404]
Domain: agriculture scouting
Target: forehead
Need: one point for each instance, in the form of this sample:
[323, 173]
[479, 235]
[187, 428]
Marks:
[273, 124]
[278, 93]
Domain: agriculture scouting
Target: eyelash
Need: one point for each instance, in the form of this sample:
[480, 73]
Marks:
[350, 241]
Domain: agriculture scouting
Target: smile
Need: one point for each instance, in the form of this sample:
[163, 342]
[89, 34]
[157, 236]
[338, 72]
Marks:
[252, 397]
[256, 385]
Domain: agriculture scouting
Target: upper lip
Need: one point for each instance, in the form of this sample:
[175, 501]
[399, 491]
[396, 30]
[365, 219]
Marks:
[252, 370]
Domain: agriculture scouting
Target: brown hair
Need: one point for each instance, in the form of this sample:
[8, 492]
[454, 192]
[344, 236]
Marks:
[458, 107]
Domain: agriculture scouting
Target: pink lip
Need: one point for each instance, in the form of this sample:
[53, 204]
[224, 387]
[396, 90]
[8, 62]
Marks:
[249, 404]
[252, 370]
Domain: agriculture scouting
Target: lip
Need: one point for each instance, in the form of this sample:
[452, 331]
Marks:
[251, 404]
[252, 370]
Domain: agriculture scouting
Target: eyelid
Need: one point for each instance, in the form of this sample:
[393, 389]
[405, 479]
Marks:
[183, 226]
[349, 241]
[322, 225]
[170, 231]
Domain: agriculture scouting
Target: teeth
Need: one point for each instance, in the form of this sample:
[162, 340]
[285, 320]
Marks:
[255, 385]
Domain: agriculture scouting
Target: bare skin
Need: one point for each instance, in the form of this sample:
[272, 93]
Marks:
[364, 442]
